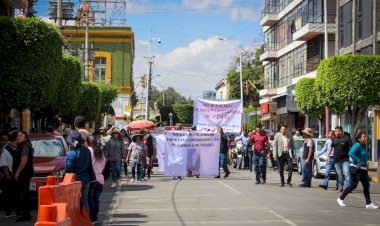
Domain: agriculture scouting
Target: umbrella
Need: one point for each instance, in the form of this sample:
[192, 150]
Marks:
[136, 125]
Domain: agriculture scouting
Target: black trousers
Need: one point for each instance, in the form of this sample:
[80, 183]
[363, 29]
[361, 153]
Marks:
[9, 194]
[357, 175]
[23, 196]
[285, 157]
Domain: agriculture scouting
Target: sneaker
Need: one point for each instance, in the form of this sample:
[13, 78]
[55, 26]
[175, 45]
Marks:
[289, 184]
[341, 203]
[138, 181]
[371, 206]
[264, 181]
[282, 185]
[277, 171]
[323, 186]
[132, 180]
[94, 222]
[118, 183]
[227, 174]
[257, 182]
[217, 176]
[114, 185]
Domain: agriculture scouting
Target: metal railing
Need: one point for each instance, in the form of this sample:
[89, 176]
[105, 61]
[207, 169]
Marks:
[311, 16]
[274, 7]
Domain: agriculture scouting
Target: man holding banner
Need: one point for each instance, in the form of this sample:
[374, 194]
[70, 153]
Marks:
[223, 153]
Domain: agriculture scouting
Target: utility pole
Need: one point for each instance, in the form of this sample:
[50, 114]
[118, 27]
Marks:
[86, 49]
[327, 110]
[59, 15]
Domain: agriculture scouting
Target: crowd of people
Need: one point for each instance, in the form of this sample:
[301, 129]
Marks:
[104, 154]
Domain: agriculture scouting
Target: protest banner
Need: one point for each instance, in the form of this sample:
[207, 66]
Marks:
[191, 153]
[160, 146]
[210, 114]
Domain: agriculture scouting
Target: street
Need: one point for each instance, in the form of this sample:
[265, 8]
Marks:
[232, 201]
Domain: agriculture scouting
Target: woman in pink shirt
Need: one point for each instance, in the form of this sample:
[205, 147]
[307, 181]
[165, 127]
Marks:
[96, 187]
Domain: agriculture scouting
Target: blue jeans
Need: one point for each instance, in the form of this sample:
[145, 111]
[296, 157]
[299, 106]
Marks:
[223, 163]
[307, 173]
[329, 166]
[93, 199]
[358, 175]
[134, 165]
[342, 170]
[84, 196]
[260, 166]
[250, 160]
[115, 169]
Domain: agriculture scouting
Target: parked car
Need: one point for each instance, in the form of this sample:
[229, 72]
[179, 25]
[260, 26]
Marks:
[319, 163]
[48, 159]
[297, 145]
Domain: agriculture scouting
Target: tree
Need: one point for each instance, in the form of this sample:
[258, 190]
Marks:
[109, 94]
[30, 71]
[171, 97]
[90, 102]
[307, 100]
[69, 89]
[253, 71]
[351, 83]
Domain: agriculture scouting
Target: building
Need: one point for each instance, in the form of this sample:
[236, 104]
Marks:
[358, 32]
[293, 49]
[222, 89]
[112, 61]
[7, 7]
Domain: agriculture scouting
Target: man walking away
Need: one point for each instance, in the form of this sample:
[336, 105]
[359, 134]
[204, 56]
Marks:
[307, 158]
[261, 147]
[341, 145]
[223, 153]
[283, 150]
[329, 163]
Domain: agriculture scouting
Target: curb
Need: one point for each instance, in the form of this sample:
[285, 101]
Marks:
[374, 180]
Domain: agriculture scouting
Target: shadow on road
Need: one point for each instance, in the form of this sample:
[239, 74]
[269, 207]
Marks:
[138, 187]
[175, 205]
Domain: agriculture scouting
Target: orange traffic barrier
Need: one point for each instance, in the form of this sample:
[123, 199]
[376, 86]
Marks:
[59, 203]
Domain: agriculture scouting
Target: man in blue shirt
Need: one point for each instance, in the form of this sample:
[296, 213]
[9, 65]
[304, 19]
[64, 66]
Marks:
[244, 138]
[329, 163]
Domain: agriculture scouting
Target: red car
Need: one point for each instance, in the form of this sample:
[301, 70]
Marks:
[48, 159]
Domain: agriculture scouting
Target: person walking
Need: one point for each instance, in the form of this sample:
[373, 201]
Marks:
[283, 150]
[137, 152]
[78, 161]
[6, 168]
[341, 145]
[329, 163]
[261, 148]
[244, 139]
[104, 138]
[115, 153]
[96, 187]
[223, 153]
[23, 172]
[358, 171]
[307, 158]
[151, 150]
[127, 141]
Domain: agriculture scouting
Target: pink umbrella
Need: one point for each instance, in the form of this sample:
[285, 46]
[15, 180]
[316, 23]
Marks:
[136, 125]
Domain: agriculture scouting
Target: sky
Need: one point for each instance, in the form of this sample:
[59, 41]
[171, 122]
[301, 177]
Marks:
[190, 57]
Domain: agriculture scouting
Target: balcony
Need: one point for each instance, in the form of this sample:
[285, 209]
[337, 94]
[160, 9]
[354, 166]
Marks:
[17, 4]
[309, 25]
[270, 51]
[269, 14]
[269, 19]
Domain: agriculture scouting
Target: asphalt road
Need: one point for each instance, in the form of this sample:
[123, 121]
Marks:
[236, 200]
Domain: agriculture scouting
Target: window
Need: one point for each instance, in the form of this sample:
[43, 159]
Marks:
[364, 19]
[345, 25]
[47, 147]
[100, 69]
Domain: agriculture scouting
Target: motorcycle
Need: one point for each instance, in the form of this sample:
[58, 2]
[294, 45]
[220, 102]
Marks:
[238, 154]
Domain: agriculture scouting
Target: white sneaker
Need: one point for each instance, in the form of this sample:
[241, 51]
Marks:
[371, 206]
[132, 180]
[341, 202]
[118, 183]
[113, 185]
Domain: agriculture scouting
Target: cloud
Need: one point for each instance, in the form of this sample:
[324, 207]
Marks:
[189, 69]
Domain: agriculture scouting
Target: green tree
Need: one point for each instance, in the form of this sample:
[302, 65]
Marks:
[69, 89]
[184, 113]
[109, 94]
[32, 60]
[171, 97]
[90, 102]
[351, 83]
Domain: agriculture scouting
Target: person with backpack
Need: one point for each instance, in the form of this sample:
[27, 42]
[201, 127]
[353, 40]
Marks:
[79, 161]
[115, 153]
[307, 158]
[96, 187]
[6, 167]
[23, 172]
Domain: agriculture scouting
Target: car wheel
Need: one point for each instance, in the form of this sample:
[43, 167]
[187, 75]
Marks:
[299, 167]
[316, 174]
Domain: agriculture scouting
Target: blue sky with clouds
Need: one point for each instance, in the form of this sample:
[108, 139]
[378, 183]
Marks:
[190, 58]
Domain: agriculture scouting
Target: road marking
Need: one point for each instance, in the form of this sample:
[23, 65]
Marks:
[289, 222]
[231, 188]
[188, 209]
[203, 222]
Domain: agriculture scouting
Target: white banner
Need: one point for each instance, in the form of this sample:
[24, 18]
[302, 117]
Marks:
[160, 146]
[191, 153]
[210, 114]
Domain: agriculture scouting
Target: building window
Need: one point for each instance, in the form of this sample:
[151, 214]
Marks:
[100, 69]
[364, 19]
[365, 51]
[345, 25]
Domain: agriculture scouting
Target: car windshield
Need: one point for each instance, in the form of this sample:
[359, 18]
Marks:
[48, 147]
[320, 144]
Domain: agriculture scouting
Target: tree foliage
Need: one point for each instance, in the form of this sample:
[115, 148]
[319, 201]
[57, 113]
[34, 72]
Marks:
[182, 113]
[32, 59]
[171, 97]
[306, 96]
[109, 94]
[349, 82]
[253, 70]
[90, 102]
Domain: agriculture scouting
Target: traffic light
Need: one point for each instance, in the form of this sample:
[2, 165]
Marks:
[143, 81]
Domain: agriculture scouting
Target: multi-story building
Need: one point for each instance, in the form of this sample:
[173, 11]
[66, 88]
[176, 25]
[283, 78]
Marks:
[221, 89]
[7, 7]
[293, 48]
[112, 61]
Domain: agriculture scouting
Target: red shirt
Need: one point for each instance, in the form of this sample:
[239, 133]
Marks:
[259, 140]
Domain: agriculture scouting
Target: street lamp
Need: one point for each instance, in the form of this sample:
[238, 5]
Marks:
[241, 69]
[171, 118]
